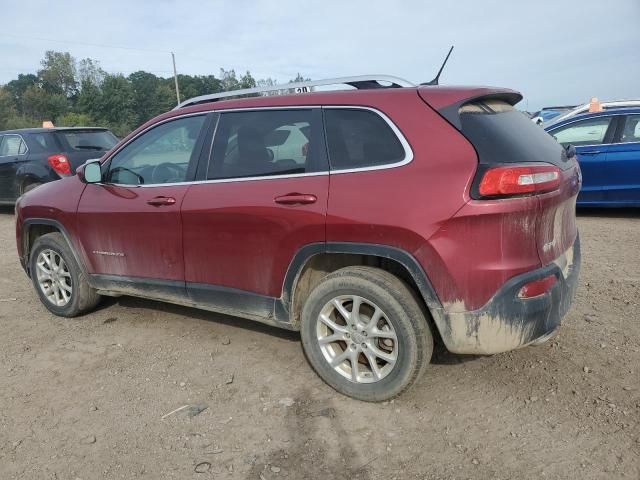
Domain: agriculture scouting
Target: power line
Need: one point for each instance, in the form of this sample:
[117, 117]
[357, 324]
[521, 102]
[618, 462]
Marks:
[99, 45]
[102, 45]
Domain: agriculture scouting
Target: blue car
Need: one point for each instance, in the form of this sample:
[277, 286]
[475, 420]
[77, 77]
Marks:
[608, 148]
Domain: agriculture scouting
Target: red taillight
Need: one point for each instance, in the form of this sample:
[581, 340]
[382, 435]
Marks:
[519, 180]
[60, 164]
[537, 287]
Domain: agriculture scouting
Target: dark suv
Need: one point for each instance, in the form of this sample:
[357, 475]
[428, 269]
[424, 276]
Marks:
[32, 156]
[392, 215]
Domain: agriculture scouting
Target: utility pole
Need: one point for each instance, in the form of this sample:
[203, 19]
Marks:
[175, 76]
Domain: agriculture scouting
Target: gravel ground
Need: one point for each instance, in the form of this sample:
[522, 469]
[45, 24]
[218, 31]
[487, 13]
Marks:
[90, 398]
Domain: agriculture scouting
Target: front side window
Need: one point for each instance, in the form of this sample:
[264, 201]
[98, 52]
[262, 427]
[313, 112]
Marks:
[360, 138]
[584, 132]
[12, 145]
[631, 131]
[264, 143]
[161, 155]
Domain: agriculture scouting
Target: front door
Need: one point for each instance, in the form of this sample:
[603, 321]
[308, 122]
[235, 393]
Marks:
[591, 137]
[130, 224]
[13, 151]
[257, 206]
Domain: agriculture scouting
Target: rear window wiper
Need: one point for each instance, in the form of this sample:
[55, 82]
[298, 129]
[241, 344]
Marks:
[89, 147]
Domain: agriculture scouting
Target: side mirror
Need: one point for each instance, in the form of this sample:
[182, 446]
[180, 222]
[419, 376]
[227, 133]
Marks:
[571, 151]
[90, 172]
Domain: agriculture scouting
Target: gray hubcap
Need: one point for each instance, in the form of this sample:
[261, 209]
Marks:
[357, 339]
[54, 278]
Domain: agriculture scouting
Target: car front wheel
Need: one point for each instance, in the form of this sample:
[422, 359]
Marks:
[60, 283]
[365, 333]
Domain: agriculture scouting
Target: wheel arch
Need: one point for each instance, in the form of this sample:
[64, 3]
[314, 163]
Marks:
[313, 262]
[33, 228]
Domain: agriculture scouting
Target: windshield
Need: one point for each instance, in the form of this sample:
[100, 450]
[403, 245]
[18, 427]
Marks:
[89, 139]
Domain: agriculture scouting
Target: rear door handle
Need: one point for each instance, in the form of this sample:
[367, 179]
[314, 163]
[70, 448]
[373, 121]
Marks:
[591, 152]
[160, 201]
[296, 199]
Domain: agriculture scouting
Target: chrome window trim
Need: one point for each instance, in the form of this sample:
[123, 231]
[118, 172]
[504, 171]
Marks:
[409, 156]
[408, 151]
[23, 141]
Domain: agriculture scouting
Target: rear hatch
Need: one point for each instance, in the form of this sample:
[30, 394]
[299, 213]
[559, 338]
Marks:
[82, 144]
[511, 148]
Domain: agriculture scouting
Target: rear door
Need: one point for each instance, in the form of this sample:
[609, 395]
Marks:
[255, 207]
[130, 224]
[13, 152]
[623, 163]
[591, 137]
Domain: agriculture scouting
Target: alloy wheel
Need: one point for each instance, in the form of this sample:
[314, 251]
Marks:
[357, 339]
[54, 278]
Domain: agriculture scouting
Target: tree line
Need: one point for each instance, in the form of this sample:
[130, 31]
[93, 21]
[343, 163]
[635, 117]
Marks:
[72, 93]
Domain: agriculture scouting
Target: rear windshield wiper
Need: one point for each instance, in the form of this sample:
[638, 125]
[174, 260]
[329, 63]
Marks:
[89, 147]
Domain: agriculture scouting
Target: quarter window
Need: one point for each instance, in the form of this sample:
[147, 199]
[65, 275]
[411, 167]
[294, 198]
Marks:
[161, 155]
[264, 143]
[360, 138]
[12, 145]
[585, 132]
[631, 131]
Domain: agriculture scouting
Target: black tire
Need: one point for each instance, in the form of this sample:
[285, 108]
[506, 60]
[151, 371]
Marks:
[402, 310]
[83, 298]
[29, 187]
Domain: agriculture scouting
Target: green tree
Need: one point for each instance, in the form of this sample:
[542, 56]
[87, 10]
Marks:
[16, 88]
[72, 119]
[40, 104]
[116, 104]
[89, 70]
[89, 99]
[7, 108]
[58, 73]
[146, 100]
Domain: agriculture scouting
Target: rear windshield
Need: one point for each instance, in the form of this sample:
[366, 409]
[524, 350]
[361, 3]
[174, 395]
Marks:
[83, 140]
[502, 134]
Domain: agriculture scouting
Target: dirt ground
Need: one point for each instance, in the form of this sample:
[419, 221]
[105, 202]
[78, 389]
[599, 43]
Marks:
[87, 398]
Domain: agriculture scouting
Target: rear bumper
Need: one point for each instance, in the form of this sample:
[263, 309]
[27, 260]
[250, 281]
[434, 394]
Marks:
[507, 322]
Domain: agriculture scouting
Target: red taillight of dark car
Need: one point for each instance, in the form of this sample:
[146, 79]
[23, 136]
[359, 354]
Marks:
[519, 180]
[60, 164]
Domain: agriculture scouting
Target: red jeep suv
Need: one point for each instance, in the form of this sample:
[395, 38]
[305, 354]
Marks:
[371, 219]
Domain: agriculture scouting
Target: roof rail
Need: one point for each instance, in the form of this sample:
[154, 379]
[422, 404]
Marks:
[359, 82]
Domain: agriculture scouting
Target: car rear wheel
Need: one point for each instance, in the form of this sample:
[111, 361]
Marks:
[60, 283]
[365, 333]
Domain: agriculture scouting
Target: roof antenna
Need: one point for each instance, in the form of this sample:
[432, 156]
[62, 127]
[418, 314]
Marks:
[435, 80]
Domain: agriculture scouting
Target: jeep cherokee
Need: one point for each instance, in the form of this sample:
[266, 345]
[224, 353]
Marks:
[402, 214]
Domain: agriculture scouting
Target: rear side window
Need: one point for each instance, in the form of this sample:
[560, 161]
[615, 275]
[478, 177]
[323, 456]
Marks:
[83, 140]
[43, 142]
[585, 132]
[265, 143]
[631, 131]
[12, 145]
[501, 134]
[360, 138]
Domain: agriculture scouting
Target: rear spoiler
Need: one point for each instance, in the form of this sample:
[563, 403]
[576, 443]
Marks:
[448, 100]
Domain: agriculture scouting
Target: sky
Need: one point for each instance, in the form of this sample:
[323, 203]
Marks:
[555, 52]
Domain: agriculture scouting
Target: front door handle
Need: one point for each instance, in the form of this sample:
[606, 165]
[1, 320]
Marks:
[160, 201]
[296, 199]
[591, 152]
